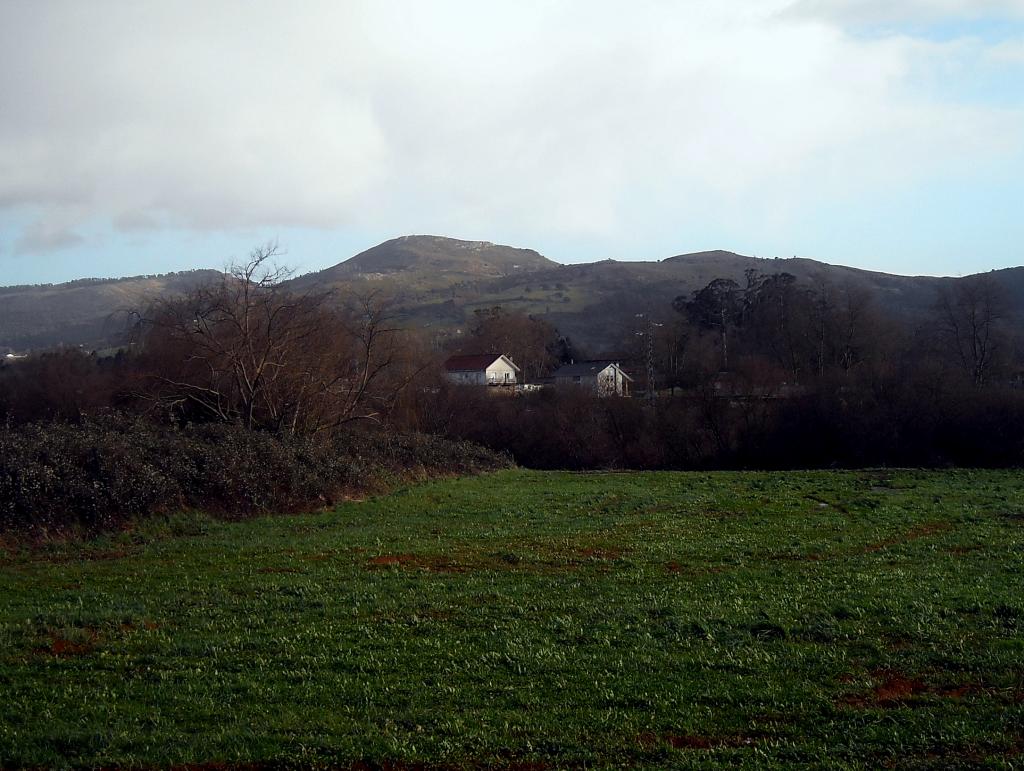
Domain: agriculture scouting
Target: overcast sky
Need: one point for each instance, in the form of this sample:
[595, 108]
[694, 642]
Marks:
[142, 137]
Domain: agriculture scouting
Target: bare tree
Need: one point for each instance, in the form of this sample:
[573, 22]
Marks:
[532, 343]
[245, 350]
[967, 321]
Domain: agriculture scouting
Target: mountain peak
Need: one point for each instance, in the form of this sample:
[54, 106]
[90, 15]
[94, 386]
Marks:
[713, 254]
[431, 255]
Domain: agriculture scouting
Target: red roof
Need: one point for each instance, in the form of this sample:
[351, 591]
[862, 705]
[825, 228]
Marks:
[476, 362]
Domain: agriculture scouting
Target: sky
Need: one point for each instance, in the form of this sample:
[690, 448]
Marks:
[145, 137]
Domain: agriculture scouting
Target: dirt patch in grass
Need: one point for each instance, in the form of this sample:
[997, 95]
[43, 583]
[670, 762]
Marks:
[678, 568]
[501, 765]
[59, 550]
[433, 563]
[392, 559]
[924, 530]
[228, 766]
[894, 689]
[61, 646]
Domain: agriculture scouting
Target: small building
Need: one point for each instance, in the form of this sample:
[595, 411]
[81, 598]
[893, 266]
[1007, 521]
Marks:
[491, 369]
[605, 378]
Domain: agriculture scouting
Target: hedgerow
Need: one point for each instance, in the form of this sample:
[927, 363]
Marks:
[105, 471]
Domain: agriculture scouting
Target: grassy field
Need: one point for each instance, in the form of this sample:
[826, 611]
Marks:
[538, 620]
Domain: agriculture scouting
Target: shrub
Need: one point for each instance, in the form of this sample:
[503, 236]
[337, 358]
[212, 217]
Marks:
[102, 472]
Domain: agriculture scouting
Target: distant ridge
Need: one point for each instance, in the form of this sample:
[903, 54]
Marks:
[81, 312]
[438, 283]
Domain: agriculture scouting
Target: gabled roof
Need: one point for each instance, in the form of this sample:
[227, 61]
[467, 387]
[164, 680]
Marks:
[476, 362]
[587, 369]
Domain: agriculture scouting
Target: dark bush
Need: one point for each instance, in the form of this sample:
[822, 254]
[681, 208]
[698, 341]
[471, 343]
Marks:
[896, 424]
[104, 471]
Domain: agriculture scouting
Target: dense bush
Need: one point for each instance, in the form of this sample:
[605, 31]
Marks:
[900, 424]
[104, 471]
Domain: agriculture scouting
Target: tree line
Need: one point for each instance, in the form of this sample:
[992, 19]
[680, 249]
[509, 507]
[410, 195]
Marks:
[767, 372]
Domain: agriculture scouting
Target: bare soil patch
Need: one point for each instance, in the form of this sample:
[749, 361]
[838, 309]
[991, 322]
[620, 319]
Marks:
[434, 563]
[60, 646]
[894, 689]
[924, 530]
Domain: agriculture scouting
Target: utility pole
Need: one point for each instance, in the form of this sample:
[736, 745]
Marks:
[648, 332]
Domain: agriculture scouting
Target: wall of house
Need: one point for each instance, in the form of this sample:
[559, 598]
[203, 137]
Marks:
[498, 373]
[607, 381]
[468, 378]
[501, 372]
[583, 381]
[611, 381]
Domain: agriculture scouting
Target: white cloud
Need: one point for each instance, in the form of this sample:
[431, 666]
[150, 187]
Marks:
[896, 11]
[1006, 52]
[46, 237]
[566, 117]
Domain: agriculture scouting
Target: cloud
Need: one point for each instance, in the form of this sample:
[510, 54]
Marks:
[569, 118]
[895, 11]
[44, 238]
[1007, 52]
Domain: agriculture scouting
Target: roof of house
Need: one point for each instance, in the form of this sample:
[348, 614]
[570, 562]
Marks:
[587, 368]
[475, 362]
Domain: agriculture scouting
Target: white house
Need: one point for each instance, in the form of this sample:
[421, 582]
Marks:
[605, 378]
[492, 369]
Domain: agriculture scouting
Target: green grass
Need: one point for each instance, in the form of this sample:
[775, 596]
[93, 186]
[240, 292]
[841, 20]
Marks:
[535, 620]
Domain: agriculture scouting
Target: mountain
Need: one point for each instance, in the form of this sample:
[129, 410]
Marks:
[423, 262]
[595, 304]
[437, 283]
[84, 312]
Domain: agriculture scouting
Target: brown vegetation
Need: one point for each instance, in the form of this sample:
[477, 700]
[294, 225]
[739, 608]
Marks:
[245, 351]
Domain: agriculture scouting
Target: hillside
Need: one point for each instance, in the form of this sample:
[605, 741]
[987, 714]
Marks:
[437, 283]
[434, 284]
[414, 263]
[84, 312]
